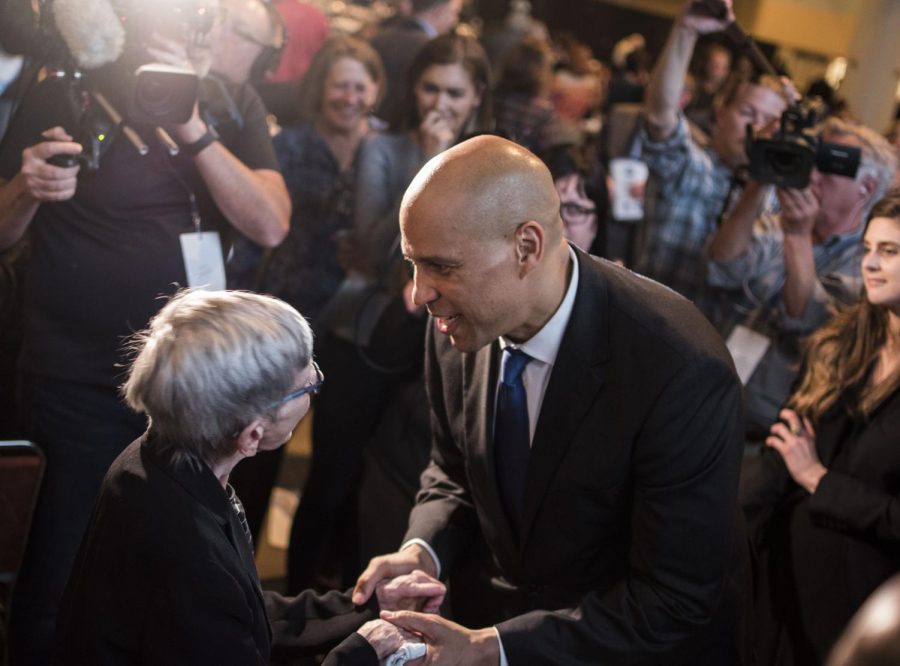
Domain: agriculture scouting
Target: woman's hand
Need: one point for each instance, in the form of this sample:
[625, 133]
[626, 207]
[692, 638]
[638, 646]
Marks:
[435, 134]
[385, 637]
[796, 442]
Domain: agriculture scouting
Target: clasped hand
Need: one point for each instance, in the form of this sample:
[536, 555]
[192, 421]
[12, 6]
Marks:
[448, 643]
[795, 441]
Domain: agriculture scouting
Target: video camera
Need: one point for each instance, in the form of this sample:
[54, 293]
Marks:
[160, 95]
[788, 158]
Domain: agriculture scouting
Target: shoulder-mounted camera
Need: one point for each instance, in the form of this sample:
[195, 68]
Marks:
[788, 158]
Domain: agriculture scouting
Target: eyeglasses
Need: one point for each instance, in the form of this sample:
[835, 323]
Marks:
[312, 389]
[575, 214]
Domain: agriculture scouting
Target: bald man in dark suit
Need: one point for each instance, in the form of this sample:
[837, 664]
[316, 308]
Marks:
[587, 438]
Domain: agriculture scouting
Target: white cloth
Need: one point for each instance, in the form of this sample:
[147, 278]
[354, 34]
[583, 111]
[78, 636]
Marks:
[406, 652]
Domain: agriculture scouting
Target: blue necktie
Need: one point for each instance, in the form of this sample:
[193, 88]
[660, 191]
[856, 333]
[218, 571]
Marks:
[511, 435]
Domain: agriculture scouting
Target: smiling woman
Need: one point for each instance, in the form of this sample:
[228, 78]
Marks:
[318, 160]
[823, 496]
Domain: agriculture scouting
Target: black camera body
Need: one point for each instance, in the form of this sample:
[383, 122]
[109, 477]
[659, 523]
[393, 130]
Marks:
[788, 158]
[162, 95]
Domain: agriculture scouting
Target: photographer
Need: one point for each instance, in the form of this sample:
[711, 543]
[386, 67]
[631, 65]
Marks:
[691, 184]
[106, 244]
[778, 276]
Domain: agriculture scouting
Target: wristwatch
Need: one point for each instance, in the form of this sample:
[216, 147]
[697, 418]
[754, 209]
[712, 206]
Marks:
[194, 147]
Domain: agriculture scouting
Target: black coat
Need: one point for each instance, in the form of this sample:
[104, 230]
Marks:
[822, 555]
[630, 551]
[165, 576]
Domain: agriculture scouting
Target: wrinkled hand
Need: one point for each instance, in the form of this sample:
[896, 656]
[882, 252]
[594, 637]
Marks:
[435, 134]
[449, 644]
[799, 209]
[385, 637]
[796, 442]
[385, 567]
[415, 591]
[704, 25]
[44, 181]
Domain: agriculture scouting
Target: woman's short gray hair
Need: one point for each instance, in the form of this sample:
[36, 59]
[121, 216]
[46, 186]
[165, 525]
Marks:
[211, 362]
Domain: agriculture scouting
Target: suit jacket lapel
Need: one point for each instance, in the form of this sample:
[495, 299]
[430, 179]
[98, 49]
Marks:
[575, 383]
[480, 371]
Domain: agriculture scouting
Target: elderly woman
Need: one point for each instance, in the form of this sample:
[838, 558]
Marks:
[165, 574]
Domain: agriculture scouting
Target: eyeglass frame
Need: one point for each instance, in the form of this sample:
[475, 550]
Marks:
[583, 213]
[312, 389]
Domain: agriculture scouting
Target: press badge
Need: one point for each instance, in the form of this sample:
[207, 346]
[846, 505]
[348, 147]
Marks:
[202, 252]
[747, 348]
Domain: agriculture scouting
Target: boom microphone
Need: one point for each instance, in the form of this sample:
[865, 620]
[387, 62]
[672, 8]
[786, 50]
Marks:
[91, 30]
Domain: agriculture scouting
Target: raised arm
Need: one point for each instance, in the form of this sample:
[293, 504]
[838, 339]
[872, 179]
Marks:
[667, 81]
[254, 201]
[733, 237]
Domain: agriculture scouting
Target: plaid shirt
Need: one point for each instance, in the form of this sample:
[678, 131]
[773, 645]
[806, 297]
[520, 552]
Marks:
[748, 291]
[686, 194]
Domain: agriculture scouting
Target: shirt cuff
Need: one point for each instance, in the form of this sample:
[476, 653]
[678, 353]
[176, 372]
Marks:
[429, 549]
[503, 661]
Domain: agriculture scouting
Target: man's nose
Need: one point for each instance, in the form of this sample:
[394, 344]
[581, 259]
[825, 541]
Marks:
[423, 292]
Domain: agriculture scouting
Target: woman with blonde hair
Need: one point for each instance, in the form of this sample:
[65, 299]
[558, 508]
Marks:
[823, 499]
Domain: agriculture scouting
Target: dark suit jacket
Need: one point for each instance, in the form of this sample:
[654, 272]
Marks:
[628, 554]
[397, 43]
[165, 576]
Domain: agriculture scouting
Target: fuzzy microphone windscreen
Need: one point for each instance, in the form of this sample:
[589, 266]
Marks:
[91, 31]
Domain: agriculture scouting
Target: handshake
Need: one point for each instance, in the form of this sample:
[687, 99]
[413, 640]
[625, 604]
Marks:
[410, 597]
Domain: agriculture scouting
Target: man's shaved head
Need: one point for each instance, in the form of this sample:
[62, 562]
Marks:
[491, 186]
[480, 224]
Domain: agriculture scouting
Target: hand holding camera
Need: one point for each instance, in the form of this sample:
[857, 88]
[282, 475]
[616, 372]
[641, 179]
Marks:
[799, 208]
[48, 175]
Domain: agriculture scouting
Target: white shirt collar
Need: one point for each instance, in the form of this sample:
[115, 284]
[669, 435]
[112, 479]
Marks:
[544, 345]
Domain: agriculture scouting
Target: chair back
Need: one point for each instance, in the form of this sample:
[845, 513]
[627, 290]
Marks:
[21, 470]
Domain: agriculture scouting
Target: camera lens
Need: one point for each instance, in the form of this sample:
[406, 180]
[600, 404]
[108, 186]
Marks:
[153, 95]
[782, 162]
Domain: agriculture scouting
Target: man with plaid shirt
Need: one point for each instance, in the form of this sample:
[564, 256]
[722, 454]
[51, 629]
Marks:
[692, 184]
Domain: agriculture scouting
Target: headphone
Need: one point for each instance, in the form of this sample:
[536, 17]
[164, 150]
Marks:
[268, 59]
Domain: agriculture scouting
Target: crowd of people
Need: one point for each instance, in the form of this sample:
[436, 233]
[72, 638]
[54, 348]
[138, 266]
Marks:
[695, 468]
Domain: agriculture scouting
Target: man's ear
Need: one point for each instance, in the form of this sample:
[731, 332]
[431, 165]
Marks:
[248, 439]
[867, 185]
[530, 239]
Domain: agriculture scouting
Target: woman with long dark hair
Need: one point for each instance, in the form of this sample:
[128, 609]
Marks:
[824, 497]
